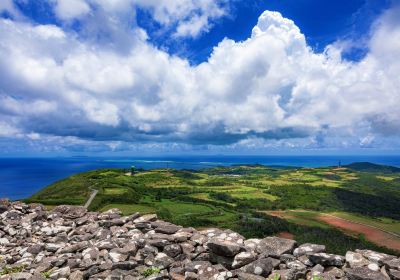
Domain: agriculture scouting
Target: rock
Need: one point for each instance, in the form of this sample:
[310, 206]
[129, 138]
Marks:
[248, 276]
[394, 274]
[71, 212]
[356, 260]
[166, 228]
[126, 265]
[392, 263]
[21, 276]
[224, 248]
[317, 270]
[60, 273]
[35, 249]
[308, 248]
[363, 273]
[260, 267]
[76, 275]
[275, 246]
[373, 267]
[375, 257]
[173, 250]
[327, 259]
[71, 243]
[297, 265]
[146, 218]
[243, 258]
[162, 261]
[116, 255]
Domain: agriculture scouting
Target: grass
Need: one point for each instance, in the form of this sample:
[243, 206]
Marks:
[128, 209]
[10, 270]
[150, 271]
[181, 208]
[113, 191]
[307, 218]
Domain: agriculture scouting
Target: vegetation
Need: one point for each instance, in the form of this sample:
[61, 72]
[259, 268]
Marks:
[239, 197]
[150, 271]
[10, 270]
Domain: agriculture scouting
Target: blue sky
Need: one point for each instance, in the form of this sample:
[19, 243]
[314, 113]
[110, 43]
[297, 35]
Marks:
[185, 76]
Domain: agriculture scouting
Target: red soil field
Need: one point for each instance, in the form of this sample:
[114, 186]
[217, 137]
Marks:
[285, 234]
[372, 234]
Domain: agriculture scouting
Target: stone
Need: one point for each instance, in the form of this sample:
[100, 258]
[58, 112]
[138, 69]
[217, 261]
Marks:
[21, 276]
[392, 263]
[71, 212]
[298, 265]
[224, 248]
[375, 257]
[172, 250]
[71, 243]
[260, 267]
[248, 276]
[35, 249]
[243, 258]
[308, 248]
[288, 274]
[317, 270]
[354, 259]
[394, 274]
[146, 218]
[275, 246]
[116, 255]
[166, 228]
[327, 259]
[363, 273]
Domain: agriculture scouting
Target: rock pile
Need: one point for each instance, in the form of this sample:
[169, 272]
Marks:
[71, 243]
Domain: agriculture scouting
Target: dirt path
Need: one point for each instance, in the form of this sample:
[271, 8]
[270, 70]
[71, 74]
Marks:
[371, 233]
[92, 196]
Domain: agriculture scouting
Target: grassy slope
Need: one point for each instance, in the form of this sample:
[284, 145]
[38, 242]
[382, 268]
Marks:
[223, 196]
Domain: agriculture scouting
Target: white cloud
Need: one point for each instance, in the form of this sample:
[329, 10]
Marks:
[186, 18]
[270, 86]
[71, 9]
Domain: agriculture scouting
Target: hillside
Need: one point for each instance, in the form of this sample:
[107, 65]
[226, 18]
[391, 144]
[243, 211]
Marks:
[242, 198]
[371, 167]
[71, 243]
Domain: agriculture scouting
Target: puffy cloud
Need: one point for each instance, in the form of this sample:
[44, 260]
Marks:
[58, 84]
[187, 18]
[71, 9]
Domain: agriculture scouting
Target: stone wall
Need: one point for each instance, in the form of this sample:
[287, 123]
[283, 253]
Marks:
[71, 243]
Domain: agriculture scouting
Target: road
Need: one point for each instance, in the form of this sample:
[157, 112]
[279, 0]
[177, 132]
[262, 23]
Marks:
[92, 196]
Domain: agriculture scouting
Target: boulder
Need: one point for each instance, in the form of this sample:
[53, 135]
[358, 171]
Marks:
[308, 248]
[363, 273]
[275, 246]
[260, 267]
[327, 259]
[224, 248]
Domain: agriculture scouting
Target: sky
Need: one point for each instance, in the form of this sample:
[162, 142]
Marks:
[132, 77]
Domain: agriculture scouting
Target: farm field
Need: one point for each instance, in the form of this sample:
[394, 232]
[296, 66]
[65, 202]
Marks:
[384, 232]
[255, 200]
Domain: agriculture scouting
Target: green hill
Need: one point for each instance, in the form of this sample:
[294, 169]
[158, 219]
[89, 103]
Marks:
[372, 167]
[239, 197]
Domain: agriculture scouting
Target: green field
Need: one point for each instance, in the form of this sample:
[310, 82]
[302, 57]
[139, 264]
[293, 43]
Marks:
[238, 197]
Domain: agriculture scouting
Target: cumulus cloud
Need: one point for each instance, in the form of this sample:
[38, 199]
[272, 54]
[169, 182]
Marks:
[186, 18]
[272, 86]
[71, 9]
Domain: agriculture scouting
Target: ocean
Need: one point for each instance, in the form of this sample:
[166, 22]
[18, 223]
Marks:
[22, 177]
